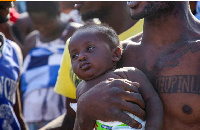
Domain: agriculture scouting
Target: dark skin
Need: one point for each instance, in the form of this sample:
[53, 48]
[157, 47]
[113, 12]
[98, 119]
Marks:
[66, 6]
[18, 110]
[115, 22]
[5, 28]
[92, 48]
[23, 27]
[51, 31]
[55, 29]
[111, 10]
[170, 58]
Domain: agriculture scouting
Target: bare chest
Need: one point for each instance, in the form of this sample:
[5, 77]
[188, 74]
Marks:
[170, 62]
[176, 77]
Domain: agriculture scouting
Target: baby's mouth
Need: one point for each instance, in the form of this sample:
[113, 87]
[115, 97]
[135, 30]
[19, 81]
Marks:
[84, 66]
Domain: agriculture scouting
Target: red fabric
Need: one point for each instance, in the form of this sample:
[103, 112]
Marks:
[14, 15]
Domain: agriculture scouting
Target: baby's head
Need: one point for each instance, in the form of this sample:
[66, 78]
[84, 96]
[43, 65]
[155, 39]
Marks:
[94, 49]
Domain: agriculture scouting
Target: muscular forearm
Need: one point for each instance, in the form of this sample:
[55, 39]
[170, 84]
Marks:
[69, 119]
[68, 123]
[83, 123]
[18, 112]
[154, 110]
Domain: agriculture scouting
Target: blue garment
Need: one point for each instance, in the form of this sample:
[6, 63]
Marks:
[40, 71]
[41, 67]
[197, 15]
[9, 74]
[21, 6]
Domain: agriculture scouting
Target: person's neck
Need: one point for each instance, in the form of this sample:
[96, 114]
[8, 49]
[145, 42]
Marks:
[119, 18]
[176, 26]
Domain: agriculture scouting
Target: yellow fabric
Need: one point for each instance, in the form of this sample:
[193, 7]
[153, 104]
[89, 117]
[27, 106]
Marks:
[67, 80]
[135, 29]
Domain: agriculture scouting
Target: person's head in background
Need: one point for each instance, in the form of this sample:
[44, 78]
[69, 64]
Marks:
[68, 12]
[66, 6]
[5, 10]
[4, 17]
[94, 50]
[94, 9]
[45, 16]
[100, 9]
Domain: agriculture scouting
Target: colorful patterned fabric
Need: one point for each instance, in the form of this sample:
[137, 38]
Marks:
[40, 71]
[40, 68]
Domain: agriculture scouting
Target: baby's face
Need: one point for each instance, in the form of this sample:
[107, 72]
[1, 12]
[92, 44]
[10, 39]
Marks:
[90, 55]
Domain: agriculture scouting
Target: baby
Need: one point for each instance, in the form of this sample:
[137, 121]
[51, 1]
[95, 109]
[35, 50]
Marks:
[94, 51]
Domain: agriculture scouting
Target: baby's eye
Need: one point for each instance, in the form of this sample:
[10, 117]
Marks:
[74, 56]
[90, 48]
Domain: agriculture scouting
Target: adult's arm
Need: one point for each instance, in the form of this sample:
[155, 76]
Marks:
[106, 101]
[17, 105]
[153, 104]
[69, 119]
[65, 121]
[18, 111]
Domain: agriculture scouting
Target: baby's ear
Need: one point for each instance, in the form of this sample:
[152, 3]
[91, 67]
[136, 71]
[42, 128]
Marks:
[116, 54]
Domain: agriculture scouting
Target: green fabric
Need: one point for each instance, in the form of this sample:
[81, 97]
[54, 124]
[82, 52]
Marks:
[100, 126]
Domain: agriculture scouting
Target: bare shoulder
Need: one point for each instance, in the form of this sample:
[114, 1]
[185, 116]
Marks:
[134, 40]
[30, 42]
[19, 53]
[70, 29]
[23, 19]
[131, 51]
[24, 23]
[31, 38]
[81, 88]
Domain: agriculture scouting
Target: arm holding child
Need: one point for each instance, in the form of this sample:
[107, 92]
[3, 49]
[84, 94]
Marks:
[107, 101]
[153, 104]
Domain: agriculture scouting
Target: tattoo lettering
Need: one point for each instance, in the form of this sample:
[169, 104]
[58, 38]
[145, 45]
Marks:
[178, 84]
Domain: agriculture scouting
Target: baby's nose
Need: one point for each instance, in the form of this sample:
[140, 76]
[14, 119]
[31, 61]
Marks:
[82, 58]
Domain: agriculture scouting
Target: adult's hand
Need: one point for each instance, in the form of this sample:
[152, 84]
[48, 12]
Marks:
[106, 101]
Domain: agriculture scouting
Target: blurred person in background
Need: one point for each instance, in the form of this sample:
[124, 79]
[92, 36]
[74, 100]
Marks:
[43, 50]
[22, 27]
[20, 6]
[68, 13]
[197, 15]
[6, 27]
[10, 65]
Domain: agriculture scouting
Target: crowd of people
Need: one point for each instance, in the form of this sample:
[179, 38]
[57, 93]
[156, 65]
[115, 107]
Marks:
[84, 64]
